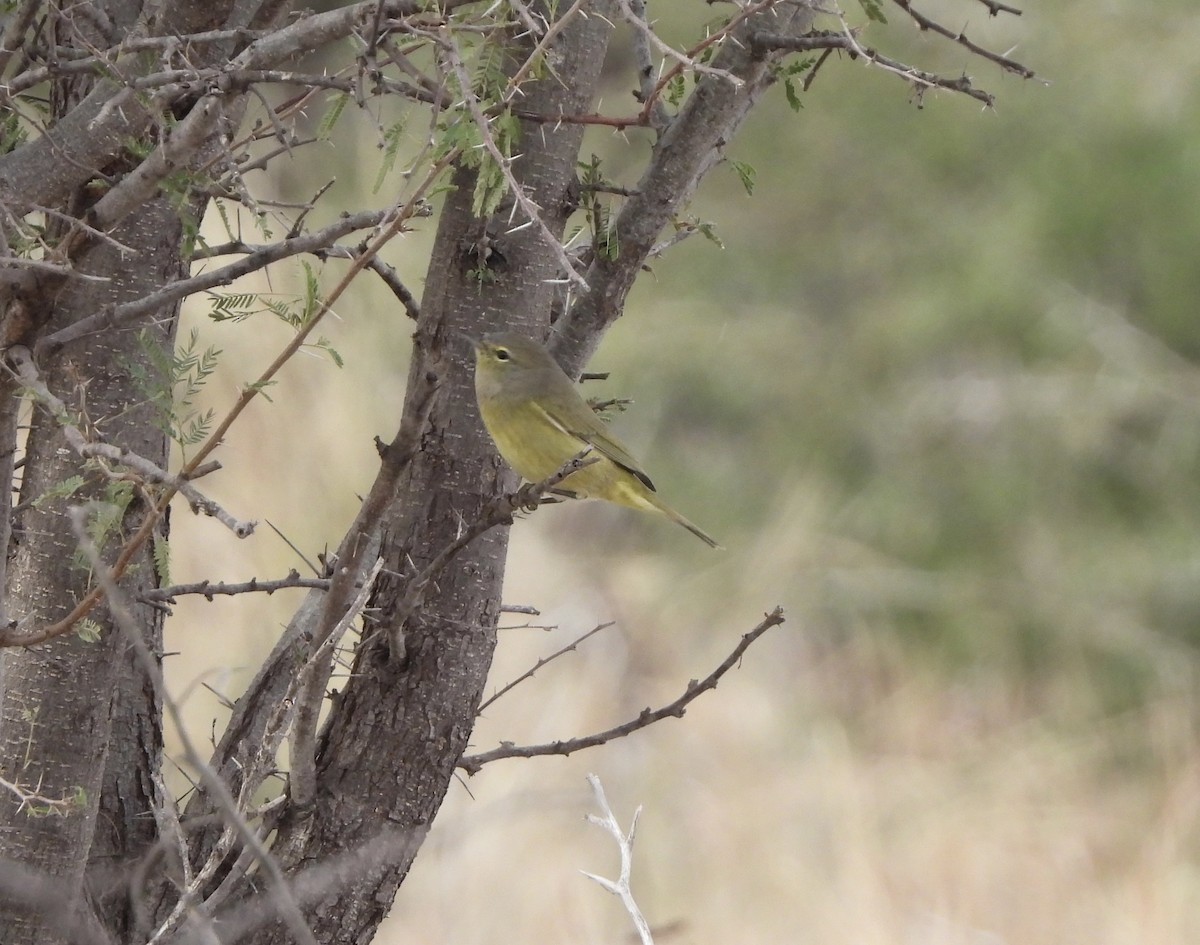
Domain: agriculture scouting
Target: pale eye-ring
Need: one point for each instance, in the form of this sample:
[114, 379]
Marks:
[502, 354]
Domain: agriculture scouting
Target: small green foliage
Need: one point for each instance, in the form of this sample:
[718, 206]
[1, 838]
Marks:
[88, 630]
[324, 344]
[788, 73]
[746, 173]
[12, 132]
[260, 388]
[331, 116]
[171, 381]
[61, 490]
[232, 306]
[491, 185]
[676, 88]
[114, 501]
[491, 76]
[139, 148]
[873, 9]
[160, 550]
[107, 514]
[458, 132]
[37, 806]
[293, 311]
[605, 241]
[482, 275]
[793, 97]
[391, 148]
[709, 232]
[489, 188]
[312, 293]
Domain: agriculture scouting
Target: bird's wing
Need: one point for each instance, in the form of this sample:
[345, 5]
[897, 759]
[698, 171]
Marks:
[595, 435]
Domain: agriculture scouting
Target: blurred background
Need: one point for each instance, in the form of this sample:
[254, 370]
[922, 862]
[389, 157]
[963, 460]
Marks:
[938, 397]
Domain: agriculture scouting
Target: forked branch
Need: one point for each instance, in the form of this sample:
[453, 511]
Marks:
[472, 763]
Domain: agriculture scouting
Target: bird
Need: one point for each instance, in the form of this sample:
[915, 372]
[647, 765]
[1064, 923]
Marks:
[538, 420]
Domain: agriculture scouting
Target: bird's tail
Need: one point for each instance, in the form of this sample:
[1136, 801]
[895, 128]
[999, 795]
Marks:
[679, 519]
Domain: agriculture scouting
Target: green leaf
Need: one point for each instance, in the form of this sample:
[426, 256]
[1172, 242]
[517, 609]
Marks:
[88, 630]
[330, 118]
[676, 88]
[747, 174]
[161, 552]
[490, 188]
[391, 148]
[170, 381]
[873, 9]
[709, 232]
[324, 344]
[61, 490]
[793, 97]
[312, 293]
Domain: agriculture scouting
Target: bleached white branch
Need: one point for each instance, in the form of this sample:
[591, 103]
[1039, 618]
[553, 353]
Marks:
[620, 886]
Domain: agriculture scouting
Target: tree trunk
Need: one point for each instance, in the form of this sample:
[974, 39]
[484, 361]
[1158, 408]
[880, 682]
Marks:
[397, 731]
[78, 715]
[62, 699]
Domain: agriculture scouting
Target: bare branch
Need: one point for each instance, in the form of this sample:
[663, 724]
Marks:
[258, 257]
[686, 151]
[683, 60]
[397, 217]
[619, 887]
[316, 882]
[925, 23]
[528, 674]
[472, 763]
[208, 590]
[635, 13]
[538, 54]
[38, 804]
[387, 273]
[995, 8]
[338, 610]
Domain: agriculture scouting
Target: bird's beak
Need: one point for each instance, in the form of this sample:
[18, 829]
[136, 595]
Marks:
[474, 342]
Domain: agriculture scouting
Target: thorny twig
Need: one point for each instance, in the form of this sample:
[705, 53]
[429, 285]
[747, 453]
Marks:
[472, 763]
[620, 886]
[118, 606]
[570, 647]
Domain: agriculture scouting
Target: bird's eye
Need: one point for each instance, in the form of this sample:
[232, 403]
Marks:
[502, 354]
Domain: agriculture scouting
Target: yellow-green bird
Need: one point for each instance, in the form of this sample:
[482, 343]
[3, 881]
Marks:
[539, 422]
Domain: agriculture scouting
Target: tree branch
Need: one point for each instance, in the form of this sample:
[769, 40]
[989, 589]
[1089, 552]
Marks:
[619, 887]
[258, 257]
[473, 763]
[925, 23]
[209, 590]
[686, 151]
[529, 673]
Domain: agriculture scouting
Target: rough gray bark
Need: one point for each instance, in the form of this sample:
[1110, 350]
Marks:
[370, 787]
[62, 700]
[80, 717]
